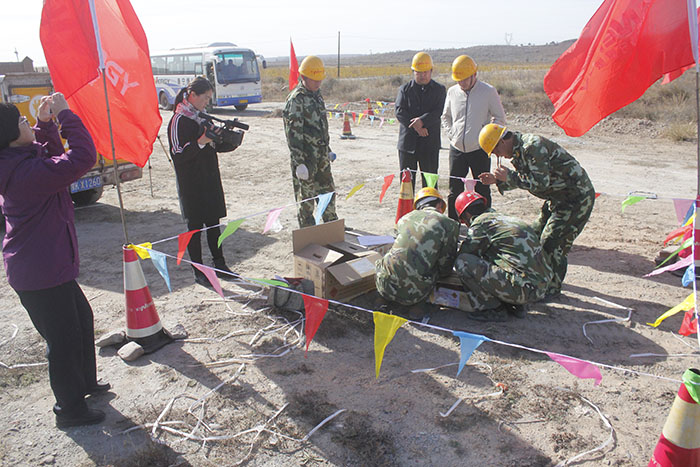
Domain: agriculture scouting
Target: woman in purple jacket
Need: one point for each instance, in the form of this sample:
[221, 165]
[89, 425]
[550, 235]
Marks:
[40, 248]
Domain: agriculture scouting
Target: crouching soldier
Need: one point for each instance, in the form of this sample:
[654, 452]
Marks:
[424, 250]
[547, 171]
[500, 263]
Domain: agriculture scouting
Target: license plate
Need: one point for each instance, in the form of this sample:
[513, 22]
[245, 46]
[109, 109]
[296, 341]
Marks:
[87, 183]
[243, 101]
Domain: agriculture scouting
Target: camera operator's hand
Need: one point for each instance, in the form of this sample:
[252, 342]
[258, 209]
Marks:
[204, 140]
[44, 110]
[58, 103]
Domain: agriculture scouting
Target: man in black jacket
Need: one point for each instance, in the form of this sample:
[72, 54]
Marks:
[419, 106]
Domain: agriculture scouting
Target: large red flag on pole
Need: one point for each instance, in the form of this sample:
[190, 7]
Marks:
[81, 40]
[293, 67]
[626, 46]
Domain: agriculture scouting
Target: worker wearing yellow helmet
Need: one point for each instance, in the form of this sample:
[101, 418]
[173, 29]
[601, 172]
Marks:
[549, 172]
[424, 250]
[419, 105]
[470, 104]
[306, 129]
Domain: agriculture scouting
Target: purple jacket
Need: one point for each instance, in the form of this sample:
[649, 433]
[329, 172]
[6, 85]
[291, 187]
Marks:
[40, 248]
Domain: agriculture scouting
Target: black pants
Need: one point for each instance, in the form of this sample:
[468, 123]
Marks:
[63, 317]
[427, 157]
[194, 248]
[460, 164]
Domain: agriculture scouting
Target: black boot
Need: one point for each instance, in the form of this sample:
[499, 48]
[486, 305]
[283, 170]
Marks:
[222, 270]
[79, 416]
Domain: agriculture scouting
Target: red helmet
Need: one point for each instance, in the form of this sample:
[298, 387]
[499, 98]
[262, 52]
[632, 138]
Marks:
[465, 199]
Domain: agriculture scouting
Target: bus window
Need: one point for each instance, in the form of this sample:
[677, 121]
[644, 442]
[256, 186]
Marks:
[158, 65]
[236, 67]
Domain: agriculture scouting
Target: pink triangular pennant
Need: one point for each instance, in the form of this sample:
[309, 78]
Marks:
[315, 309]
[211, 275]
[578, 368]
[469, 184]
[682, 206]
[271, 218]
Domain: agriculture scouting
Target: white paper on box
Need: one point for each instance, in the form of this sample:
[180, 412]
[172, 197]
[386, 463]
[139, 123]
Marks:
[446, 297]
[372, 240]
[362, 266]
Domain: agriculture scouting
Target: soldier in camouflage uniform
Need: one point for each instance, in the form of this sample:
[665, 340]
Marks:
[306, 128]
[424, 250]
[501, 259]
[546, 170]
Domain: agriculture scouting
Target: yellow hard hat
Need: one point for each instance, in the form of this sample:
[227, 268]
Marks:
[421, 62]
[429, 192]
[463, 67]
[312, 67]
[490, 135]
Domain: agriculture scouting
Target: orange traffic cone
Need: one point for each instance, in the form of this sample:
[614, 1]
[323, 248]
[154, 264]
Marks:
[369, 108]
[679, 444]
[142, 322]
[405, 195]
[347, 132]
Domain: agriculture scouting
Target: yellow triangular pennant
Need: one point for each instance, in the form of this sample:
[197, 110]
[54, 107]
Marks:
[686, 305]
[354, 190]
[385, 326]
[141, 250]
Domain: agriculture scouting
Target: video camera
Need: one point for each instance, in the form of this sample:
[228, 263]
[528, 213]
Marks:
[223, 131]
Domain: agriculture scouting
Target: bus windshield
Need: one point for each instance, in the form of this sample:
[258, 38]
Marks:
[236, 67]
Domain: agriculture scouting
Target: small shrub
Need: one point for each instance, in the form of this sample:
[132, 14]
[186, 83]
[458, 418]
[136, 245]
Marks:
[680, 132]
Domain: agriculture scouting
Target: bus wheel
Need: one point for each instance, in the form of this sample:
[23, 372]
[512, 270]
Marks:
[163, 101]
[241, 107]
[87, 197]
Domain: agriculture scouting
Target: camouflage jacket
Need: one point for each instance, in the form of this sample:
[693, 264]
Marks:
[545, 169]
[306, 128]
[425, 249]
[510, 244]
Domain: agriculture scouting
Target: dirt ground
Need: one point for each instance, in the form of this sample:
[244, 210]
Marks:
[246, 365]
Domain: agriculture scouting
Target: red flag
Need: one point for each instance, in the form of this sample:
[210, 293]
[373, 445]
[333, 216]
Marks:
[315, 310]
[387, 182]
[75, 60]
[626, 46]
[690, 324]
[182, 241]
[293, 67]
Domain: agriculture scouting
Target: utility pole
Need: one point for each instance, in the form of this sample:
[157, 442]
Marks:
[338, 54]
[16, 54]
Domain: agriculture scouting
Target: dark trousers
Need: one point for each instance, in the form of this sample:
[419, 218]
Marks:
[460, 164]
[63, 317]
[427, 157]
[194, 248]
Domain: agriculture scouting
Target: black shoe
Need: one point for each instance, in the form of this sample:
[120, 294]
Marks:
[98, 388]
[223, 272]
[79, 418]
[519, 311]
[201, 279]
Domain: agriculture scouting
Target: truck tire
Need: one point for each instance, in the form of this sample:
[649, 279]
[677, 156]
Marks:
[241, 107]
[163, 101]
[87, 197]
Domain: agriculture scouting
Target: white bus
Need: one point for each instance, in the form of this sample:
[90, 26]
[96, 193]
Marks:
[233, 72]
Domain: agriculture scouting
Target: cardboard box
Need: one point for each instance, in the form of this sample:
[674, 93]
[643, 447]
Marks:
[339, 270]
[449, 292]
[379, 243]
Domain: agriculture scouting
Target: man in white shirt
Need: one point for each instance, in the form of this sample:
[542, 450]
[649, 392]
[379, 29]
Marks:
[470, 104]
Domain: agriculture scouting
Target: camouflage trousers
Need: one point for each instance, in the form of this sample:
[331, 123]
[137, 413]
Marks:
[486, 285]
[322, 182]
[558, 225]
[405, 290]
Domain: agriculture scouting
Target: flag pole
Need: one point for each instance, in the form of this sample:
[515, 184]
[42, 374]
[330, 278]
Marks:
[98, 43]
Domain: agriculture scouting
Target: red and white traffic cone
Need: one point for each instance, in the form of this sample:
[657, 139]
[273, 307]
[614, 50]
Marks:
[679, 444]
[405, 195]
[347, 132]
[142, 322]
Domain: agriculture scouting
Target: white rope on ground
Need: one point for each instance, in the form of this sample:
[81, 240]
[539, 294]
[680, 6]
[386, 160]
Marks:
[606, 422]
[14, 334]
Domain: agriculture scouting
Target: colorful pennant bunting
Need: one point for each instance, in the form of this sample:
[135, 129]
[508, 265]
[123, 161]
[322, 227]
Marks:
[211, 275]
[231, 227]
[579, 368]
[161, 266]
[467, 345]
[630, 201]
[685, 305]
[272, 216]
[323, 201]
[431, 179]
[315, 310]
[385, 326]
[387, 183]
[142, 249]
[182, 241]
[690, 323]
[354, 190]
[684, 209]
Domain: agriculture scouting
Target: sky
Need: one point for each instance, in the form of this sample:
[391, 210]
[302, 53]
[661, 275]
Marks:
[365, 26]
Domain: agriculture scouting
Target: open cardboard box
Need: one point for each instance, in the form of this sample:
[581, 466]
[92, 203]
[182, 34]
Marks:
[338, 269]
[449, 292]
[379, 243]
